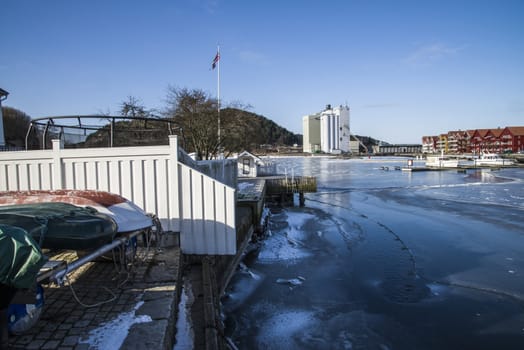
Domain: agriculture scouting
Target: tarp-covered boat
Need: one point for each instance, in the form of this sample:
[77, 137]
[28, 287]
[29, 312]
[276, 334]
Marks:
[20, 261]
[127, 215]
[61, 225]
[91, 222]
[21, 258]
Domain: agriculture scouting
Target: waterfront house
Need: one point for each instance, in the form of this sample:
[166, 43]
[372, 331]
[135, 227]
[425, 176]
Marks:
[250, 165]
[453, 138]
[466, 141]
[442, 143]
[492, 142]
[459, 141]
[509, 139]
[512, 139]
[429, 144]
[477, 140]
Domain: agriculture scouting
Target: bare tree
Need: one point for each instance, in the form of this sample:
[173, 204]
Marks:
[133, 108]
[196, 113]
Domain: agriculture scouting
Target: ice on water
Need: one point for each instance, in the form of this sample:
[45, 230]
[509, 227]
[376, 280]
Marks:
[288, 328]
[286, 244]
[418, 249]
[277, 331]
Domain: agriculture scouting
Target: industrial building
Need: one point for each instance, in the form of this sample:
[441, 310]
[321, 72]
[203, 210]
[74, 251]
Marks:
[327, 131]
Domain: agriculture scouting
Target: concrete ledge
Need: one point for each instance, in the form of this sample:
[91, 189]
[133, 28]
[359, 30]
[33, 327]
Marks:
[162, 286]
[150, 335]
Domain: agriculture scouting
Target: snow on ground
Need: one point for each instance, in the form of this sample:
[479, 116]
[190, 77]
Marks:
[112, 334]
[184, 329]
[243, 186]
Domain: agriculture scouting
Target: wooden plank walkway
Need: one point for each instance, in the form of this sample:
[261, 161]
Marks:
[288, 184]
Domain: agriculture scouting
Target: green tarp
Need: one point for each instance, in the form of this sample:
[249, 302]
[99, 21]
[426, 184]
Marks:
[61, 225]
[20, 258]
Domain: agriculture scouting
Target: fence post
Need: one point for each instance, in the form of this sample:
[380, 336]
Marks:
[174, 192]
[58, 177]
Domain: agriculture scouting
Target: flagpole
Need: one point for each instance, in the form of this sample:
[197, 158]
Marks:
[218, 96]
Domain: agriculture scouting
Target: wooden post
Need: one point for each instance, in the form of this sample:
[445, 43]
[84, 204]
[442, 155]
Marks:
[174, 189]
[57, 175]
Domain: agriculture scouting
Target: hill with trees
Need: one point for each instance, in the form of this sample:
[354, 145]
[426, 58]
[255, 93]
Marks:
[190, 114]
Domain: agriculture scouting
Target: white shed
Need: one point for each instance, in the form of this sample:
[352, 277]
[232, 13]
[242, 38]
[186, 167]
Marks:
[250, 165]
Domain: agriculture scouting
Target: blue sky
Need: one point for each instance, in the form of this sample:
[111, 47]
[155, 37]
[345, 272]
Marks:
[405, 68]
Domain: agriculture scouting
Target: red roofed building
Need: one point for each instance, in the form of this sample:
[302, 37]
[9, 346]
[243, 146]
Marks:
[477, 140]
[459, 141]
[466, 142]
[492, 142]
[429, 144]
[512, 139]
[509, 139]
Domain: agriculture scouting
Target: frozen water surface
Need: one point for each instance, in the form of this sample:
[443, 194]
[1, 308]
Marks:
[390, 260]
[286, 244]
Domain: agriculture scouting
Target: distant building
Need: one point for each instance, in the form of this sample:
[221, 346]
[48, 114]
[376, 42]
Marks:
[499, 140]
[430, 144]
[250, 165]
[327, 131]
[400, 149]
[354, 144]
[512, 139]
[311, 131]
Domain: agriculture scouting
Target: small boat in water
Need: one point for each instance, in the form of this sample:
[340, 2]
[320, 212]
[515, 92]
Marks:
[492, 159]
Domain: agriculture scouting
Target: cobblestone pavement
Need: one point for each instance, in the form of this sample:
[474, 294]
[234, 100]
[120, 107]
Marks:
[98, 293]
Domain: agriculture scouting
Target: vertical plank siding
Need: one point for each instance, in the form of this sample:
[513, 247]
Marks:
[185, 200]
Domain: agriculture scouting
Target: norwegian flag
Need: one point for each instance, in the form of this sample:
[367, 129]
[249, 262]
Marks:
[215, 61]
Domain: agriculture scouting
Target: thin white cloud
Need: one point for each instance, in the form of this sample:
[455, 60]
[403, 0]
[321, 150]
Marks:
[431, 53]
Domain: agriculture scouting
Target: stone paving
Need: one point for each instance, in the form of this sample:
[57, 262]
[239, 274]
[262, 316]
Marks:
[106, 291]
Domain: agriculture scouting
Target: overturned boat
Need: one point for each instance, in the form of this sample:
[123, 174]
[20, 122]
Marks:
[127, 215]
[93, 223]
[61, 225]
[72, 219]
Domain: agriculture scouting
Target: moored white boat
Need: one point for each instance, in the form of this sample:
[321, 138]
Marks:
[492, 159]
[442, 162]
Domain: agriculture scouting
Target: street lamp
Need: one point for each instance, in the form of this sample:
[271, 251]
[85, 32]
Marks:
[3, 96]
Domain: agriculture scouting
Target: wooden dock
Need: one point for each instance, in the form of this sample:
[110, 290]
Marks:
[284, 187]
[459, 168]
[295, 184]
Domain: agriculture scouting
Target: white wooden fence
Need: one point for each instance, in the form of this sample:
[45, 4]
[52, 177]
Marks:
[201, 208]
